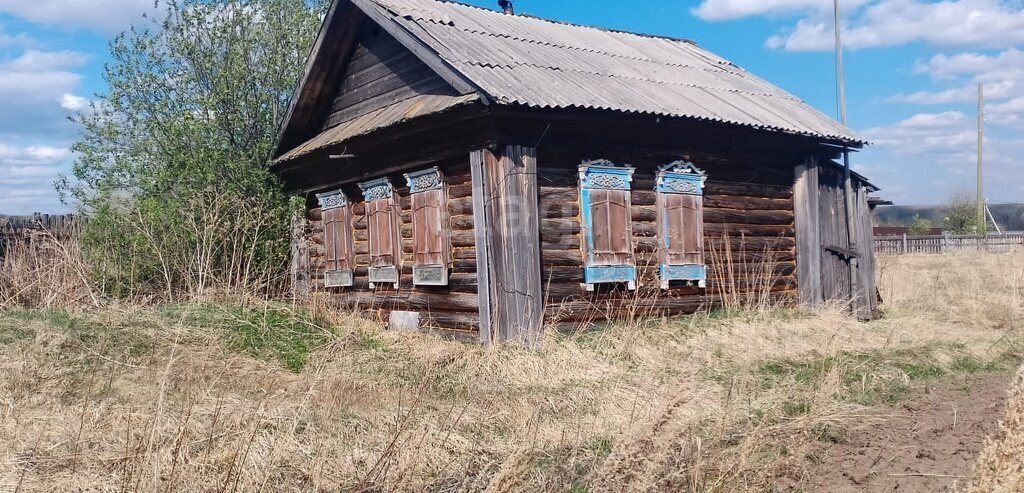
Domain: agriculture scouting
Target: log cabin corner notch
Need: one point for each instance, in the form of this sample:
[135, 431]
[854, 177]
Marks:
[504, 173]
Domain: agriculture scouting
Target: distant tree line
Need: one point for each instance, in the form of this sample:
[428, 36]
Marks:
[958, 217]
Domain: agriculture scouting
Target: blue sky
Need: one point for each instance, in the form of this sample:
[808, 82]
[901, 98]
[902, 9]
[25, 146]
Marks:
[912, 70]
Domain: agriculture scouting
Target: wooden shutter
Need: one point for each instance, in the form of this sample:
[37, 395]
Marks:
[428, 228]
[684, 229]
[381, 232]
[330, 239]
[343, 241]
[609, 227]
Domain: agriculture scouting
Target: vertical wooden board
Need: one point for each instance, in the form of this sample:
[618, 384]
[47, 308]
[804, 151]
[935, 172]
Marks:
[619, 221]
[429, 232]
[808, 233]
[384, 234]
[514, 245]
[481, 229]
[330, 239]
[343, 233]
[420, 218]
[374, 236]
[300, 257]
[337, 224]
[866, 266]
[394, 219]
[691, 229]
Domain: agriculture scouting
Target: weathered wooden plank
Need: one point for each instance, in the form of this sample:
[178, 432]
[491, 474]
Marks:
[808, 232]
[478, 170]
[514, 244]
[413, 300]
[783, 217]
[300, 256]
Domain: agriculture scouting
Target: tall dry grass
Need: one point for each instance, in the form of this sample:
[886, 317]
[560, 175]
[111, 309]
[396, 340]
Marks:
[39, 270]
[146, 400]
[1000, 467]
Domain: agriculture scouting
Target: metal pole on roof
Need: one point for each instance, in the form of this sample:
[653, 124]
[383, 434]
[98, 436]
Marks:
[851, 216]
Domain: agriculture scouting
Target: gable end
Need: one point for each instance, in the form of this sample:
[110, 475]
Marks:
[382, 72]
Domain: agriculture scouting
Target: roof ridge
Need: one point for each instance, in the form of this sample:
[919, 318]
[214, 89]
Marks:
[561, 22]
[715, 66]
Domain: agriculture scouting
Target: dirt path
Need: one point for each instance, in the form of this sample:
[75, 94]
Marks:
[927, 445]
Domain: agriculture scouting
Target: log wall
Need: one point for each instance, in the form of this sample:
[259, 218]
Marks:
[453, 308]
[750, 246]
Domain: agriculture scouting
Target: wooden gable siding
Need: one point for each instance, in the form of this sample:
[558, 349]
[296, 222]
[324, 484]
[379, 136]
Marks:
[453, 309]
[748, 238]
[381, 73]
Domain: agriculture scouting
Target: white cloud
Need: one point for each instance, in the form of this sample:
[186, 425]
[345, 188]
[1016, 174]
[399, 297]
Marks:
[980, 23]
[723, 10]
[43, 61]
[27, 175]
[925, 133]
[35, 106]
[943, 147]
[1008, 64]
[961, 94]
[1007, 113]
[107, 16]
[73, 103]
[8, 40]
[1001, 74]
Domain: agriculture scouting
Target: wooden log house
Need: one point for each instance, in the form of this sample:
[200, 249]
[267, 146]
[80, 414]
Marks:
[487, 174]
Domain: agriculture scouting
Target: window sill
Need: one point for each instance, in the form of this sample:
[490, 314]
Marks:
[683, 272]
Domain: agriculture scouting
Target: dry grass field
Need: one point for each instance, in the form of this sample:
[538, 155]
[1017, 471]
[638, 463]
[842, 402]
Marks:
[269, 397]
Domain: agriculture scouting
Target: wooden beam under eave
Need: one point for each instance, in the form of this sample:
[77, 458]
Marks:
[404, 146]
[617, 129]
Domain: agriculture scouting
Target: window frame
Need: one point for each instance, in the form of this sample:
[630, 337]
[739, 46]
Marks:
[601, 178]
[376, 194]
[341, 247]
[423, 185]
[680, 178]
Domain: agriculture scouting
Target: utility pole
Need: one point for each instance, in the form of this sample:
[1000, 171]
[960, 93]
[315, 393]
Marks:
[982, 224]
[851, 219]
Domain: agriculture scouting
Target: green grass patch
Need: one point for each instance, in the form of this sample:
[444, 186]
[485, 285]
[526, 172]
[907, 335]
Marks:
[270, 333]
[10, 332]
[123, 338]
[578, 488]
[874, 378]
[601, 447]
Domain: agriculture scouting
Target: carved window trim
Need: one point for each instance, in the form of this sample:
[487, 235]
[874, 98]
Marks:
[383, 231]
[336, 217]
[680, 195]
[430, 227]
[606, 224]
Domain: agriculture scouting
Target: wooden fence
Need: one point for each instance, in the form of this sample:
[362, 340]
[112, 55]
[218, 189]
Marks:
[15, 228]
[898, 245]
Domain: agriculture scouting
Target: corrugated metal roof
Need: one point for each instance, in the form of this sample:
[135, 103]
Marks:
[385, 117]
[524, 60]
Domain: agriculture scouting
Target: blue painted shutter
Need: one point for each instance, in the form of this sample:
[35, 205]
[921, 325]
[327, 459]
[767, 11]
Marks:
[607, 225]
[681, 224]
